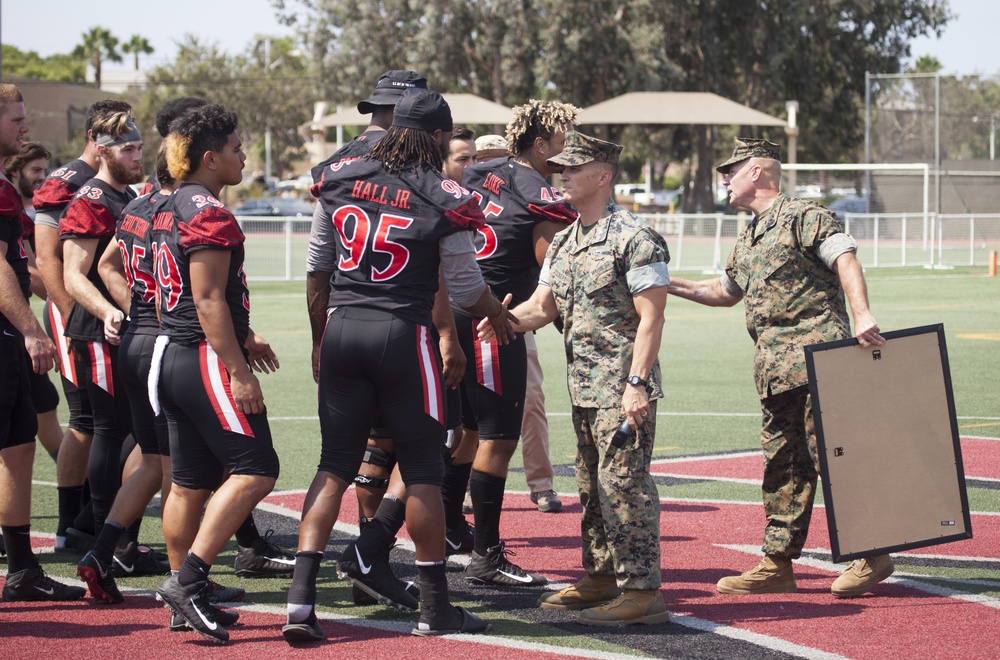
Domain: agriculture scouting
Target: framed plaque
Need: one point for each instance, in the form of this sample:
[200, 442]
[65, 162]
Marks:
[888, 442]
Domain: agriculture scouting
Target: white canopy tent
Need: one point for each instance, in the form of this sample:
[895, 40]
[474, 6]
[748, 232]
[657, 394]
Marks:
[695, 108]
[465, 109]
[675, 108]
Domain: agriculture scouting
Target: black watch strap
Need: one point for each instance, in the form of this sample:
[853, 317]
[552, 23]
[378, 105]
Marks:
[637, 381]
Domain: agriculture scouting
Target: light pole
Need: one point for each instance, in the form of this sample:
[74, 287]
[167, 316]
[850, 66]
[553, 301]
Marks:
[792, 131]
[268, 67]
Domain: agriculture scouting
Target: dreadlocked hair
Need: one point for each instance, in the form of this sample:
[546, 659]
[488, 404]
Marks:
[538, 119]
[400, 147]
[199, 130]
[114, 124]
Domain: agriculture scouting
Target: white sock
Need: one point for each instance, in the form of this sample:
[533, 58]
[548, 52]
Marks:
[298, 613]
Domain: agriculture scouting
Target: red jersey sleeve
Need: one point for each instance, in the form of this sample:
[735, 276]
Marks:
[466, 216]
[54, 193]
[213, 228]
[85, 217]
[10, 202]
[558, 212]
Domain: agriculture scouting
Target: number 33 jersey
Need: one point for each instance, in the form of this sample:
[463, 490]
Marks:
[388, 228]
[191, 220]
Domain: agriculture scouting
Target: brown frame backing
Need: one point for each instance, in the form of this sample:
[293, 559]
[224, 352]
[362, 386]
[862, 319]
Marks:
[888, 443]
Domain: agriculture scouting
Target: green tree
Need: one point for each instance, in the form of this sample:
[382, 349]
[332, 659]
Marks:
[276, 94]
[586, 51]
[135, 46]
[97, 46]
[29, 64]
[816, 53]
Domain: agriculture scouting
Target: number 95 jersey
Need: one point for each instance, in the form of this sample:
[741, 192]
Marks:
[195, 220]
[388, 228]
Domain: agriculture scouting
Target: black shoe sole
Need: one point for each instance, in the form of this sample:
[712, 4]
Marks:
[98, 592]
[301, 632]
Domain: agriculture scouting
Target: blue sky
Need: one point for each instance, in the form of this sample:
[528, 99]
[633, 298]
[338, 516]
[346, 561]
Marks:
[55, 26]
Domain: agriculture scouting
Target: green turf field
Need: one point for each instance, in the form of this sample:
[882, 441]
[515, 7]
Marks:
[711, 404]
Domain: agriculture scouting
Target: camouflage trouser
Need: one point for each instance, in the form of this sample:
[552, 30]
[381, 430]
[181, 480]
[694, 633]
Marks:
[620, 528]
[791, 466]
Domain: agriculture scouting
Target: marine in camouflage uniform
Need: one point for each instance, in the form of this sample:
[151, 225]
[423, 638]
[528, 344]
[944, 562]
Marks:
[606, 277]
[792, 300]
[791, 267]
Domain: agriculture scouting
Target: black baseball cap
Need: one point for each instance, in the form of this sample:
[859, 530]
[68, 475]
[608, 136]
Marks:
[423, 109]
[390, 87]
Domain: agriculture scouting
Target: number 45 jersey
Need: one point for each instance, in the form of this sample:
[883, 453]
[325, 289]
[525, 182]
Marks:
[514, 199]
[134, 238]
[388, 228]
[192, 220]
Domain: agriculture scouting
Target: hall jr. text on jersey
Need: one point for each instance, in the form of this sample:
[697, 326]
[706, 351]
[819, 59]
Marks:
[381, 194]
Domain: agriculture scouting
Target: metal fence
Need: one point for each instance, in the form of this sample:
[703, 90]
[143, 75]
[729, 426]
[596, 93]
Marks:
[276, 247]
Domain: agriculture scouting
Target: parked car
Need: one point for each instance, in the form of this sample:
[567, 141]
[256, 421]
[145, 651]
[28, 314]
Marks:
[849, 205]
[275, 207]
[657, 197]
[857, 227]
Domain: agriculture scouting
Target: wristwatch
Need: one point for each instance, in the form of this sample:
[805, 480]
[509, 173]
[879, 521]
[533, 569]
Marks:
[636, 381]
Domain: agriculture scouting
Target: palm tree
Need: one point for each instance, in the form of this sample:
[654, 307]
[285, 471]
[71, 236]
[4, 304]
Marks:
[136, 46]
[98, 44]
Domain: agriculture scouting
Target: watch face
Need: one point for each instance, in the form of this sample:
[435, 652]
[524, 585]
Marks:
[635, 380]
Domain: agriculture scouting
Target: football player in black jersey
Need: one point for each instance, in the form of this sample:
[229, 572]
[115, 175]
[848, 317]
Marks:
[372, 480]
[399, 223]
[27, 170]
[50, 200]
[126, 268]
[23, 346]
[94, 325]
[374, 474]
[523, 212]
[213, 403]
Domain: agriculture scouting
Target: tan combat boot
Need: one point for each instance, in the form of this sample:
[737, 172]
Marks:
[644, 606]
[862, 575]
[588, 592]
[773, 575]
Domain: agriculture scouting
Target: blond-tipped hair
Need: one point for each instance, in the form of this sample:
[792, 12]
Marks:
[178, 163]
[538, 119]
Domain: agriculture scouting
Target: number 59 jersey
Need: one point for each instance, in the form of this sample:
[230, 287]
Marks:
[388, 228]
[193, 219]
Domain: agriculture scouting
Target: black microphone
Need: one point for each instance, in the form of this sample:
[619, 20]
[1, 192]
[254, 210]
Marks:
[621, 435]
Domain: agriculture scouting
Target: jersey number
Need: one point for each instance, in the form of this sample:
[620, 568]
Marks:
[356, 243]
[489, 236]
[168, 277]
[134, 273]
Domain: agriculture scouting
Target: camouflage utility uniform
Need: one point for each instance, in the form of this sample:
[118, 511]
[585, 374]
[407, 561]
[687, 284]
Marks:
[781, 267]
[593, 276]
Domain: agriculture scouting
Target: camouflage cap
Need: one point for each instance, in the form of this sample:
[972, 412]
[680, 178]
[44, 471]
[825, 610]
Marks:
[487, 142]
[750, 148]
[581, 149]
